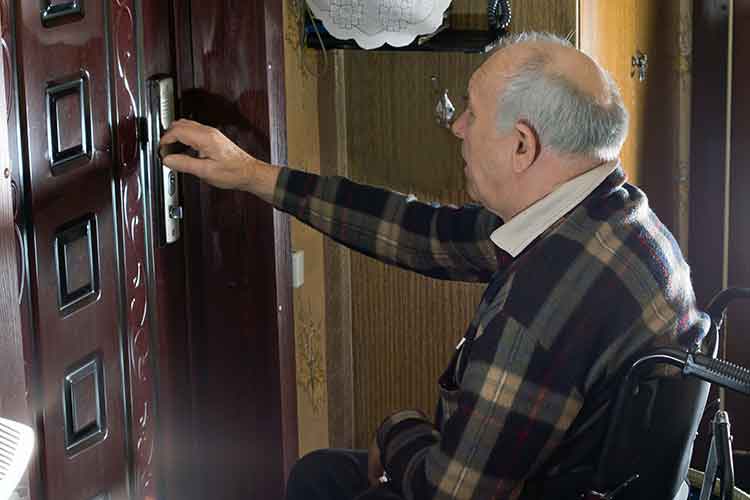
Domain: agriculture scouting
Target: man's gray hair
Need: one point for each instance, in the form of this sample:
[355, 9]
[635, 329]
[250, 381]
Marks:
[566, 119]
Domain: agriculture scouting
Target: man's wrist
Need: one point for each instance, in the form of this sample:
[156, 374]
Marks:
[260, 179]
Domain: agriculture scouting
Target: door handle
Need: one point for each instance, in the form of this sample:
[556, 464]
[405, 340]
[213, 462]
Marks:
[166, 182]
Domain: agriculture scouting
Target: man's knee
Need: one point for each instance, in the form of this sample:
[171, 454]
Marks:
[311, 466]
[328, 474]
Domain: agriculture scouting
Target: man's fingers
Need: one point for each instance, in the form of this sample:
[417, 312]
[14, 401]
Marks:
[186, 164]
[187, 132]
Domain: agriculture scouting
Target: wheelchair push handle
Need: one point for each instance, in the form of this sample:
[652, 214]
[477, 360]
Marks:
[719, 372]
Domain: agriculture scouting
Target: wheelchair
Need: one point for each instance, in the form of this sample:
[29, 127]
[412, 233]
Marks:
[653, 423]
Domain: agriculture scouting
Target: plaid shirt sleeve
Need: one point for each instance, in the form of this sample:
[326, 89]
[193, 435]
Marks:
[443, 242]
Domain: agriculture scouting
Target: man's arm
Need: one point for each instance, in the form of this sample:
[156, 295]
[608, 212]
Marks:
[442, 242]
[438, 241]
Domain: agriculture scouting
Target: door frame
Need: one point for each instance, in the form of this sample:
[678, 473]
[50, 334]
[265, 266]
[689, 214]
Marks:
[13, 404]
[18, 376]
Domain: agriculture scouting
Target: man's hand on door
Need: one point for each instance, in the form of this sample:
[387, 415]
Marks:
[220, 162]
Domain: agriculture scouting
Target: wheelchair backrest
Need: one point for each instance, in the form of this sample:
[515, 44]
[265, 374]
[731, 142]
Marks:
[652, 429]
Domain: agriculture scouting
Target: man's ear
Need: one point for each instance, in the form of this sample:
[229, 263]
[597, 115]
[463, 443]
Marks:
[528, 147]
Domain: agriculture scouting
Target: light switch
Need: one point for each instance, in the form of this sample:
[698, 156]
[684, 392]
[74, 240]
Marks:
[298, 268]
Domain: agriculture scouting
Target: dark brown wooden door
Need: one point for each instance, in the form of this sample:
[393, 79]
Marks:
[87, 285]
[72, 247]
[149, 371]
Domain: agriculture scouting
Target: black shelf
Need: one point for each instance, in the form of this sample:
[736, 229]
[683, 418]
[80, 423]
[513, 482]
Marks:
[448, 40]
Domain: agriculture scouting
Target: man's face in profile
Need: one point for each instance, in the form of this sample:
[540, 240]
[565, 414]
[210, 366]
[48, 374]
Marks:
[486, 151]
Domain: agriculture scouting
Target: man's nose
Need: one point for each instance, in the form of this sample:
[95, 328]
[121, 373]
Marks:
[458, 128]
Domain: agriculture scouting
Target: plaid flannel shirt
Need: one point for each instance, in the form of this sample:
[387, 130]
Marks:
[553, 330]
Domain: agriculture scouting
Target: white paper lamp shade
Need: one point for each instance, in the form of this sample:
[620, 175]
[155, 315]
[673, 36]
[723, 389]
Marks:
[372, 23]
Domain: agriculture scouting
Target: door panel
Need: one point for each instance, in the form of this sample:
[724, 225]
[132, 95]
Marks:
[104, 326]
[72, 252]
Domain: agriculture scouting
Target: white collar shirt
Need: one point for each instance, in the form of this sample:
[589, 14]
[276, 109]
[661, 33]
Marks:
[517, 233]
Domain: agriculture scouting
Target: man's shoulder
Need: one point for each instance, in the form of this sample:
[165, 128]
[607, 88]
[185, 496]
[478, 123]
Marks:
[621, 233]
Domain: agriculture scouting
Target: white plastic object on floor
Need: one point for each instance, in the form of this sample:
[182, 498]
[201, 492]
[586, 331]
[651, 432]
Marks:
[16, 445]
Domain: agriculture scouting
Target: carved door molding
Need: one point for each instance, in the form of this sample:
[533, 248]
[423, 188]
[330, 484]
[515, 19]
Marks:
[133, 227]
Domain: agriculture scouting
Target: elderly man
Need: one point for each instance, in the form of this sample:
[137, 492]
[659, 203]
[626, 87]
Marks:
[581, 277]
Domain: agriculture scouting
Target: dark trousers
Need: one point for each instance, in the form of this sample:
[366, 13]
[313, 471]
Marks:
[334, 475]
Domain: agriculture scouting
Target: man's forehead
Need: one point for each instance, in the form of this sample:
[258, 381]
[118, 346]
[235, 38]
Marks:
[476, 80]
[485, 81]
[495, 68]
